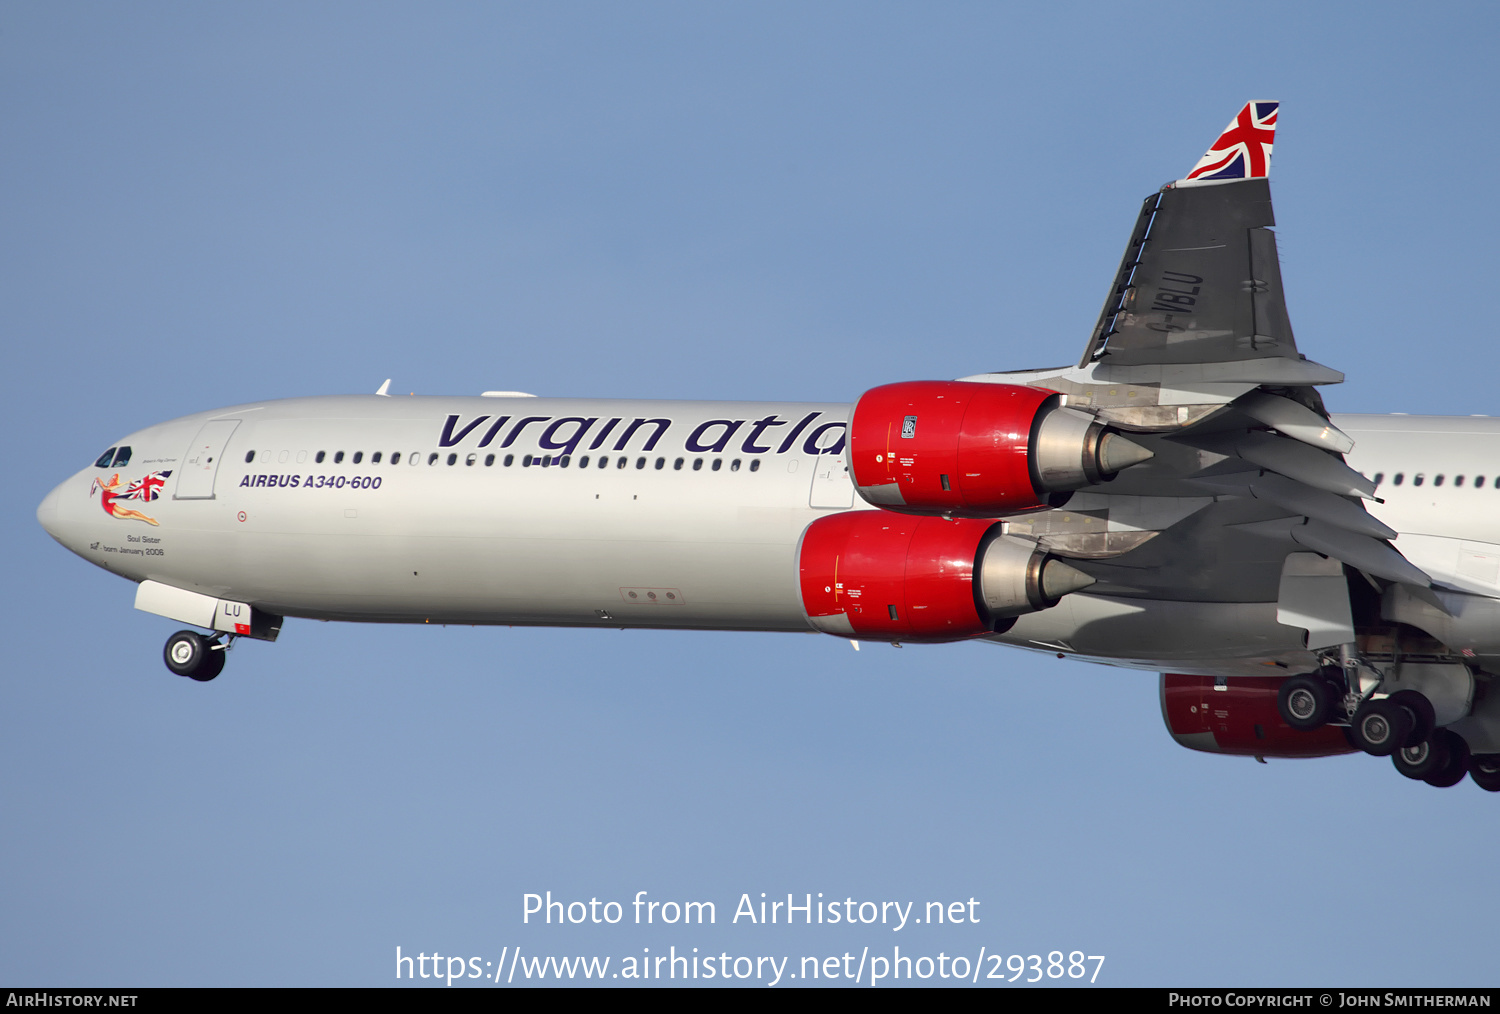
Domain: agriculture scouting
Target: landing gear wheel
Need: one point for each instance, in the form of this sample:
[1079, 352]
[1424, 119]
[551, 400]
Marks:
[1306, 702]
[1457, 765]
[1421, 761]
[1484, 771]
[1380, 727]
[193, 655]
[1424, 721]
[213, 664]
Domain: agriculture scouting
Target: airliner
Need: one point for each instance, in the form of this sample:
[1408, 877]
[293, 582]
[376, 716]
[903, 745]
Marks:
[1179, 501]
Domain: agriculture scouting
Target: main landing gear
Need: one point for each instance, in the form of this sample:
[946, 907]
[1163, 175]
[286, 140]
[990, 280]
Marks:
[1403, 720]
[1442, 760]
[1308, 702]
[195, 656]
[1402, 726]
[1484, 771]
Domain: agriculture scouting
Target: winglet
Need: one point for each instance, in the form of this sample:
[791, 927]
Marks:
[385, 389]
[1243, 151]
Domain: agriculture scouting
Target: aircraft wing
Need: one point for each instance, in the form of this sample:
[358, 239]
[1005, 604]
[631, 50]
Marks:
[1200, 281]
[1194, 356]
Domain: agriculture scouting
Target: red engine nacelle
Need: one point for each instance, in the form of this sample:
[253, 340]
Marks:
[1240, 719]
[885, 576]
[963, 449]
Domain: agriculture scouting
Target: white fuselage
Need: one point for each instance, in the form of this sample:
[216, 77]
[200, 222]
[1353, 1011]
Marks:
[693, 523]
[649, 514]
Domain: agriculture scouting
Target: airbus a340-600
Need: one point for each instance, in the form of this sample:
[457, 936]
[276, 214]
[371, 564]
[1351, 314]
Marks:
[1179, 501]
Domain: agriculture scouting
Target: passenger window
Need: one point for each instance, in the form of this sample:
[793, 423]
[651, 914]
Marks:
[489, 459]
[545, 460]
[283, 456]
[338, 457]
[1379, 478]
[471, 459]
[734, 466]
[718, 464]
[301, 457]
[622, 462]
[755, 465]
[1458, 480]
[677, 465]
[697, 464]
[320, 457]
[395, 457]
[509, 460]
[1479, 482]
[526, 461]
[640, 462]
[359, 456]
[659, 463]
[603, 461]
[566, 459]
[1437, 481]
[375, 458]
[432, 459]
[122, 457]
[249, 457]
[453, 459]
[414, 457]
[105, 459]
[1416, 480]
[583, 462]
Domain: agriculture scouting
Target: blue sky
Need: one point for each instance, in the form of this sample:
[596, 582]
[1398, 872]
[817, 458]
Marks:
[206, 205]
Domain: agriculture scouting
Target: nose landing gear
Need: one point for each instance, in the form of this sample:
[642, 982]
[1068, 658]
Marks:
[195, 656]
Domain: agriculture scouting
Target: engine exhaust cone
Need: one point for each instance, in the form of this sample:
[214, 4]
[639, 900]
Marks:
[1117, 454]
[1058, 579]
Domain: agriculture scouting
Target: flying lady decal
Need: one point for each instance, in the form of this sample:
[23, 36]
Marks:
[145, 489]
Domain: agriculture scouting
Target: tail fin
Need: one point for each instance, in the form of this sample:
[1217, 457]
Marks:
[1243, 151]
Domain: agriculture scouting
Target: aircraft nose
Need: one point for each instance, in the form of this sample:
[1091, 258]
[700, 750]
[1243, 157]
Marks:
[47, 512]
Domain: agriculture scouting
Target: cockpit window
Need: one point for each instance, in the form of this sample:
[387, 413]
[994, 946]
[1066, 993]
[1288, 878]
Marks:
[122, 457]
[105, 459]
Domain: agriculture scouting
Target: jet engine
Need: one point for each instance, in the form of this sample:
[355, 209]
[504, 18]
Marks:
[890, 577]
[1239, 716]
[962, 449]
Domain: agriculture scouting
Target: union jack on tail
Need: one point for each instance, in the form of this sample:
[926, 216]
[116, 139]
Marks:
[1243, 151]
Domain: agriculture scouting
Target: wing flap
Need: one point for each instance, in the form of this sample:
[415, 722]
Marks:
[1296, 421]
[1296, 460]
[1359, 551]
[1303, 500]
